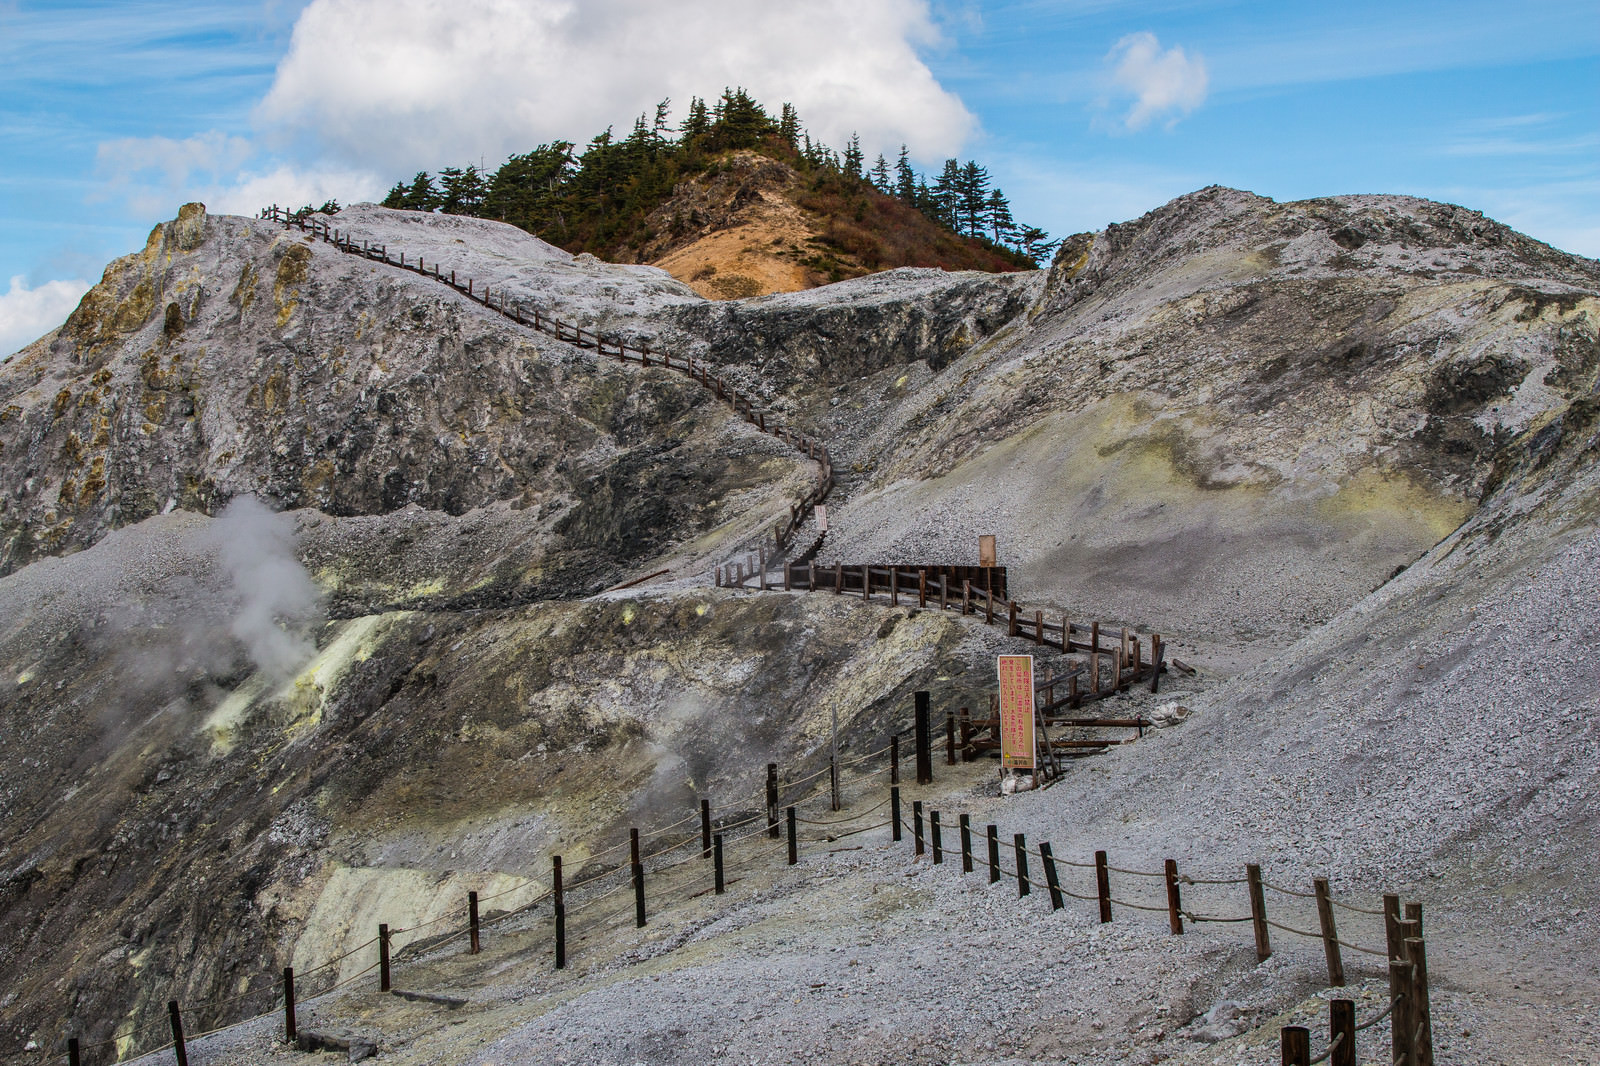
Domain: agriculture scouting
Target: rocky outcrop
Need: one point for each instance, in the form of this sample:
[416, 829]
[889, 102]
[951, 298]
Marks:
[1287, 402]
[232, 357]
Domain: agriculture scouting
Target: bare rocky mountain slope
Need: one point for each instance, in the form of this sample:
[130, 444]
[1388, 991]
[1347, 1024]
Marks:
[1340, 451]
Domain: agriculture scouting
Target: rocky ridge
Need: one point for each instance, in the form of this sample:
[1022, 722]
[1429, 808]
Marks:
[960, 401]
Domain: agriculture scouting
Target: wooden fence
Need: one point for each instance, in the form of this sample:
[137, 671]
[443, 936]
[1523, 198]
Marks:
[695, 855]
[775, 543]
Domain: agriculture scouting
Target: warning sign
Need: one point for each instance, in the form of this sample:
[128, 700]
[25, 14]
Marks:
[1016, 712]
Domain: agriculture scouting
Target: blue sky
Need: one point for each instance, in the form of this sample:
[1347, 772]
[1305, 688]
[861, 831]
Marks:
[112, 114]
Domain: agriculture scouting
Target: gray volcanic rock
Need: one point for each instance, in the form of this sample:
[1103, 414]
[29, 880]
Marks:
[1231, 420]
[234, 357]
[1226, 419]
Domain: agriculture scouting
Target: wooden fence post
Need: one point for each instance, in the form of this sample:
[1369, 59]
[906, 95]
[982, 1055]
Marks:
[967, 754]
[894, 813]
[383, 958]
[992, 832]
[1038, 627]
[716, 861]
[472, 923]
[966, 598]
[1050, 877]
[1296, 1045]
[924, 728]
[74, 1055]
[894, 586]
[1330, 934]
[966, 843]
[1021, 847]
[1011, 628]
[922, 588]
[1102, 884]
[916, 827]
[1258, 912]
[794, 845]
[1342, 1027]
[289, 1026]
[1174, 900]
[988, 611]
[638, 880]
[949, 740]
[936, 837]
[894, 761]
[705, 829]
[178, 1047]
[1420, 1015]
[1402, 1027]
[558, 894]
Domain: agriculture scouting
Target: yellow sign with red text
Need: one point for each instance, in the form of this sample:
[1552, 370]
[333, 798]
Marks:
[1016, 712]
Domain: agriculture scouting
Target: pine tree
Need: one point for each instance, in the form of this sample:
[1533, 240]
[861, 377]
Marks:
[658, 132]
[880, 174]
[1035, 243]
[789, 126]
[463, 191]
[396, 197]
[972, 199]
[421, 196]
[946, 197]
[1001, 224]
[853, 157]
[698, 122]
[526, 191]
[740, 122]
[905, 179]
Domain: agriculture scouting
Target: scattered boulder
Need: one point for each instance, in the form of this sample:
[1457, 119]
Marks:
[358, 1048]
[1168, 715]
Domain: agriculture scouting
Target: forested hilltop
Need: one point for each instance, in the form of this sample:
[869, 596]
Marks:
[617, 198]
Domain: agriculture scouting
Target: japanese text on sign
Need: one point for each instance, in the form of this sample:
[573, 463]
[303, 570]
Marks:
[1016, 712]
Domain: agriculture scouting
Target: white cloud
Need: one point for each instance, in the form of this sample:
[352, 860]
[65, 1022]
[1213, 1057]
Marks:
[287, 186]
[1167, 84]
[26, 314]
[407, 84]
[153, 175]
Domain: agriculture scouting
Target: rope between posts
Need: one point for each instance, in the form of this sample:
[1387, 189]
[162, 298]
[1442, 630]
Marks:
[1203, 918]
[842, 821]
[528, 906]
[1353, 908]
[1186, 879]
[803, 780]
[1292, 929]
[1386, 1012]
[1134, 873]
[670, 847]
[507, 891]
[863, 829]
[574, 886]
[863, 758]
[1331, 1048]
[1136, 906]
[615, 889]
[341, 957]
[1288, 891]
[1358, 947]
